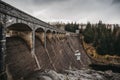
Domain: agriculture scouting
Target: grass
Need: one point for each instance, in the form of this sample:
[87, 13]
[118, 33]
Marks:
[107, 59]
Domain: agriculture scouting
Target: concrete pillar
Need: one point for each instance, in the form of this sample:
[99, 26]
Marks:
[33, 50]
[3, 75]
[45, 39]
[33, 43]
[54, 36]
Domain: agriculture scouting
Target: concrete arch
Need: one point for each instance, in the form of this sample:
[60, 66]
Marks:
[19, 27]
[19, 44]
[48, 31]
[54, 35]
[49, 34]
[54, 32]
[40, 34]
[40, 29]
[20, 30]
[57, 32]
[19, 60]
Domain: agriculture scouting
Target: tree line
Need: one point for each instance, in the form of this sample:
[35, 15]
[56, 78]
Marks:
[103, 38]
[71, 27]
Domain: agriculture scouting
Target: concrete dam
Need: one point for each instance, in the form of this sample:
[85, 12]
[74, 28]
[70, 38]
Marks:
[28, 44]
[31, 49]
[58, 55]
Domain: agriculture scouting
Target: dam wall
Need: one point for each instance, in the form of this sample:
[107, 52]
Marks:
[59, 55]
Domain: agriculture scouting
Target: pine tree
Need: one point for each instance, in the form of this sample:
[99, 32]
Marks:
[88, 33]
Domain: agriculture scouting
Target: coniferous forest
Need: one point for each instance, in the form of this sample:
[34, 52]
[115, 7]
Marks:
[71, 27]
[105, 39]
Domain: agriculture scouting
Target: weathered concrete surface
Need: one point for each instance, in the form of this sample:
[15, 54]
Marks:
[58, 55]
[18, 58]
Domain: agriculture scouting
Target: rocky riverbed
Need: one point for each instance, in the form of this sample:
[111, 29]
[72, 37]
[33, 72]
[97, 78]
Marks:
[83, 74]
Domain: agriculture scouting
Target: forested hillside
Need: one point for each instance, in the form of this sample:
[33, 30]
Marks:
[105, 39]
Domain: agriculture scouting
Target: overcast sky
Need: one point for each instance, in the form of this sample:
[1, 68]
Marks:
[80, 11]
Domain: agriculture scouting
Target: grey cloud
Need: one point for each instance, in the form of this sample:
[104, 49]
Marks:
[116, 1]
[71, 10]
[46, 1]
